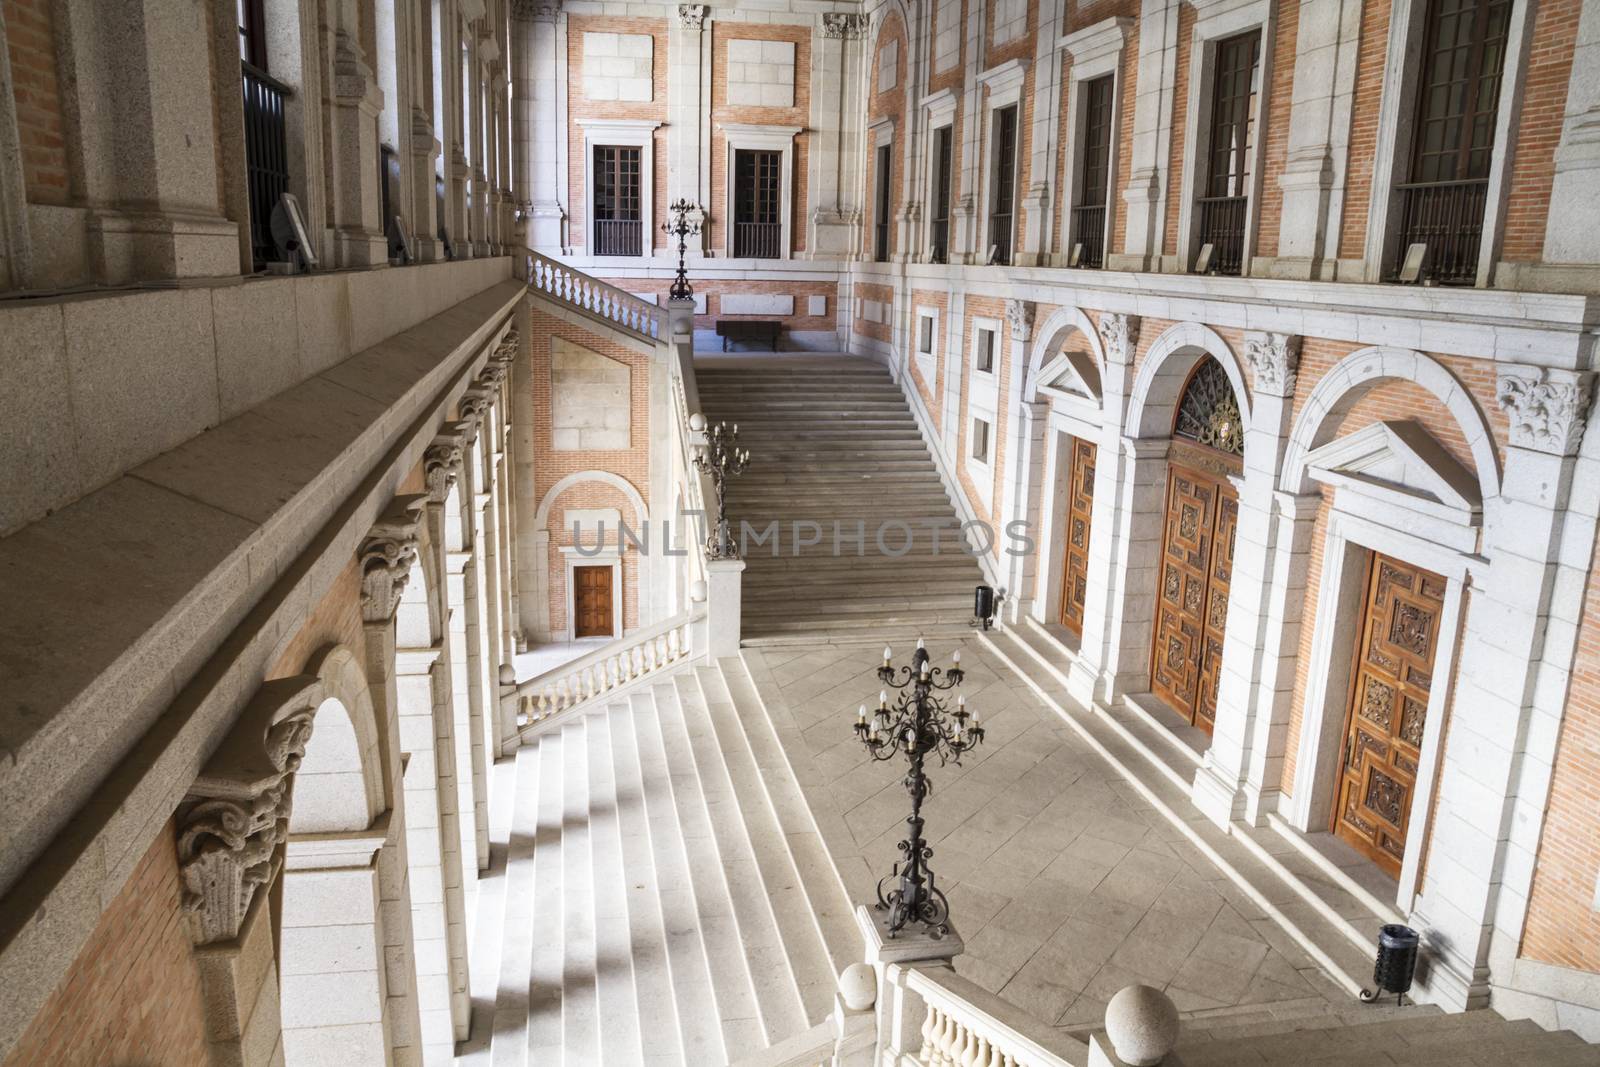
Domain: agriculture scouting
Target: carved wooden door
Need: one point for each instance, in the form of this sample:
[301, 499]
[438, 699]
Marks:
[1080, 508]
[592, 602]
[1388, 711]
[1192, 595]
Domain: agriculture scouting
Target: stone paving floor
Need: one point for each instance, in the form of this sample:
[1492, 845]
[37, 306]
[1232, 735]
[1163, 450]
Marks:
[1064, 884]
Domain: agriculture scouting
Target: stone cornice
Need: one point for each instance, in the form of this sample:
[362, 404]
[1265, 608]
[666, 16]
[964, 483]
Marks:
[1104, 38]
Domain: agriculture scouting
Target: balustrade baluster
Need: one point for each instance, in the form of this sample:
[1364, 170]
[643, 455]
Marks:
[931, 1025]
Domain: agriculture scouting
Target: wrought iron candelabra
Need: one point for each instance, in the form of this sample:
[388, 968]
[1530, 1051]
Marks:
[920, 725]
[681, 224]
[721, 459]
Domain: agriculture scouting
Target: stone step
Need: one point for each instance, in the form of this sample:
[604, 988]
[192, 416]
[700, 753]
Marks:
[543, 1016]
[621, 1040]
[916, 623]
[759, 609]
[579, 1037]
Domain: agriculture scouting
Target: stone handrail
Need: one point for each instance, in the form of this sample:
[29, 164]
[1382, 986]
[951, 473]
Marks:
[597, 298]
[602, 672]
[966, 1024]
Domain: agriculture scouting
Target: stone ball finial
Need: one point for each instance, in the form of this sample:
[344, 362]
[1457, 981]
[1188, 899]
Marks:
[697, 591]
[1142, 1024]
[697, 422]
[508, 674]
[858, 986]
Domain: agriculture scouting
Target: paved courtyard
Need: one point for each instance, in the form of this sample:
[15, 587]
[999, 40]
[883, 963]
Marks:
[1064, 883]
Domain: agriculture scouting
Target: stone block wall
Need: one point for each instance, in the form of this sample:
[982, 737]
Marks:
[760, 73]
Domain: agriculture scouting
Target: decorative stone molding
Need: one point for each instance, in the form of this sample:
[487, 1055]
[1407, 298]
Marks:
[387, 556]
[842, 26]
[1019, 316]
[692, 16]
[506, 350]
[1273, 360]
[1120, 335]
[233, 822]
[1545, 406]
[441, 466]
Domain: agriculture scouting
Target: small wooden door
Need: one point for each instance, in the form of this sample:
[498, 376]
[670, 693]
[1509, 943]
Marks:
[1080, 508]
[592, 602]
[1192, 602]
[1390, 682]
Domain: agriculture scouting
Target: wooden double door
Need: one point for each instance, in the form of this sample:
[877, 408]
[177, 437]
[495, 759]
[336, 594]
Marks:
[591, 602]
[1390, 681]
[1202, 518]
[1079, 516]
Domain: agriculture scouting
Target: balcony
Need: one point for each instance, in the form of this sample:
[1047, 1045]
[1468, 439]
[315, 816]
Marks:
[1448, 218]
[618, 237]
[266, 156]
[758, 240]
[1089, 230]
[1222, 227]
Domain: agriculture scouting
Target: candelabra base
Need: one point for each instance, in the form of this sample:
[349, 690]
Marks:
[911, 945]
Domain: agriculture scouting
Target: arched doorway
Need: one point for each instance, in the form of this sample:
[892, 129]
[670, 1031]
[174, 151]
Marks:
[1199, 526]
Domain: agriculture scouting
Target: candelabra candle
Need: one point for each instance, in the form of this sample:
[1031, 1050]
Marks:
[918, 724]
[722, 459]
[682, 223]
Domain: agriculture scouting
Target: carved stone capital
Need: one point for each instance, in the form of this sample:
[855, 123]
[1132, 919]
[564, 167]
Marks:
[506, 350]
[1273, 358]
[387, 556]
[441, 466]
[844, 26]
[692, 16]
[1546, 407]
[493, 375]
[232, 824]
[1019, 316]
[1120, 335]
[535, 10]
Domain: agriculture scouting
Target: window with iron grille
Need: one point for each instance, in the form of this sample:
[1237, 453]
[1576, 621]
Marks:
[1442, 202]
[1089, 217]
[253, 33]
[757, 204]
[943, 153]
[881, 209]
[1227, 187]
[1005, 183]
[266, 152]
[618, 221]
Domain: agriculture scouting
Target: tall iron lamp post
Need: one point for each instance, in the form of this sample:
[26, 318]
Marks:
[920, 725]
[721, 459]
[682, 225]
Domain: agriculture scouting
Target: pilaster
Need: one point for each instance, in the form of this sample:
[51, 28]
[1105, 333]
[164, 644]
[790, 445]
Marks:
[357, 102]
[1156, 86]
[1572, 234]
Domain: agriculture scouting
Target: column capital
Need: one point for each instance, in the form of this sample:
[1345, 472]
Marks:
[387, 556]
[844, 26]
[535, 10]
[1274, 359]
[506, 350]
[1119, 334]
[474, 404]
[1546, 406]
[692, 16]
[235, 817]
[441, 465]
[1019, 316]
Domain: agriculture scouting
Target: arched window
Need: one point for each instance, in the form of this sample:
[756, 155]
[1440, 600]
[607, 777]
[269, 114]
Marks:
[1208, 412]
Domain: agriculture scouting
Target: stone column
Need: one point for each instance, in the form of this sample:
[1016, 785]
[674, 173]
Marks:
[1502, 696]
[424, 213]
[1044, 184]
[837, 59]
[353, 166]
[1023, 485]
[386, 557]
[1219, 784]
[1313, 177]
[520, 67]
[1098, 659]
[1146, 188]
[1569, 237]
[966, 214]
[504, 357]
[137, 95]
[688, 109]
[537, 83]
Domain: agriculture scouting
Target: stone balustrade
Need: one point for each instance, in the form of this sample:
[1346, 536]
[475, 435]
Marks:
[965, 1026]
[597, 298]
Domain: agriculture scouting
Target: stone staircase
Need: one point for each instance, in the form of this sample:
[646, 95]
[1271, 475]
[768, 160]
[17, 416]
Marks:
[657, 890]
[833, 441]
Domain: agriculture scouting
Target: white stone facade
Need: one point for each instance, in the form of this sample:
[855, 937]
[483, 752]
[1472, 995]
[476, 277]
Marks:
[760, 73]
[620, 67]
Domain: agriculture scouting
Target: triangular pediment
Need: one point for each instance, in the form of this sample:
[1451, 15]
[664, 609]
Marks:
[1070, 374]
[1401, 457]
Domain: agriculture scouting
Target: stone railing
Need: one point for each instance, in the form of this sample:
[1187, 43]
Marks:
[602, 672]
[595, 297]
[966, 1024]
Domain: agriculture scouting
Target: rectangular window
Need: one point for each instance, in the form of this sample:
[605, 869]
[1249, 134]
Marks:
[881, 209]
[1005, 183]
[253, 33]
[1442, 203]
[618, 222]
[1226, 197]
[983, 358]
[925, 335]
[980, 441]
[1094, 179]
[758, 204]
[943, 153]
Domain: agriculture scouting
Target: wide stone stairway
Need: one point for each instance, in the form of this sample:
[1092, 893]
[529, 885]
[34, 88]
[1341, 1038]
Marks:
[657, 892]
[833, 442]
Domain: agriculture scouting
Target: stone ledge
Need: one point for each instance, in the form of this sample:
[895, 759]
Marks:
[140, 619]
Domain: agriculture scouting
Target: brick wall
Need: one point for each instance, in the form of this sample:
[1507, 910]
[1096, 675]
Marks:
[133, 994]
[595, 495]
[631, 464]
[717, 231]
[1544, 103]
[334, 620]
[30, 40]
[878, 331]
[890, 104]
[1180, 137]
[1274, 143]
[1563, 926]
[931, 390]
[1370, 58]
